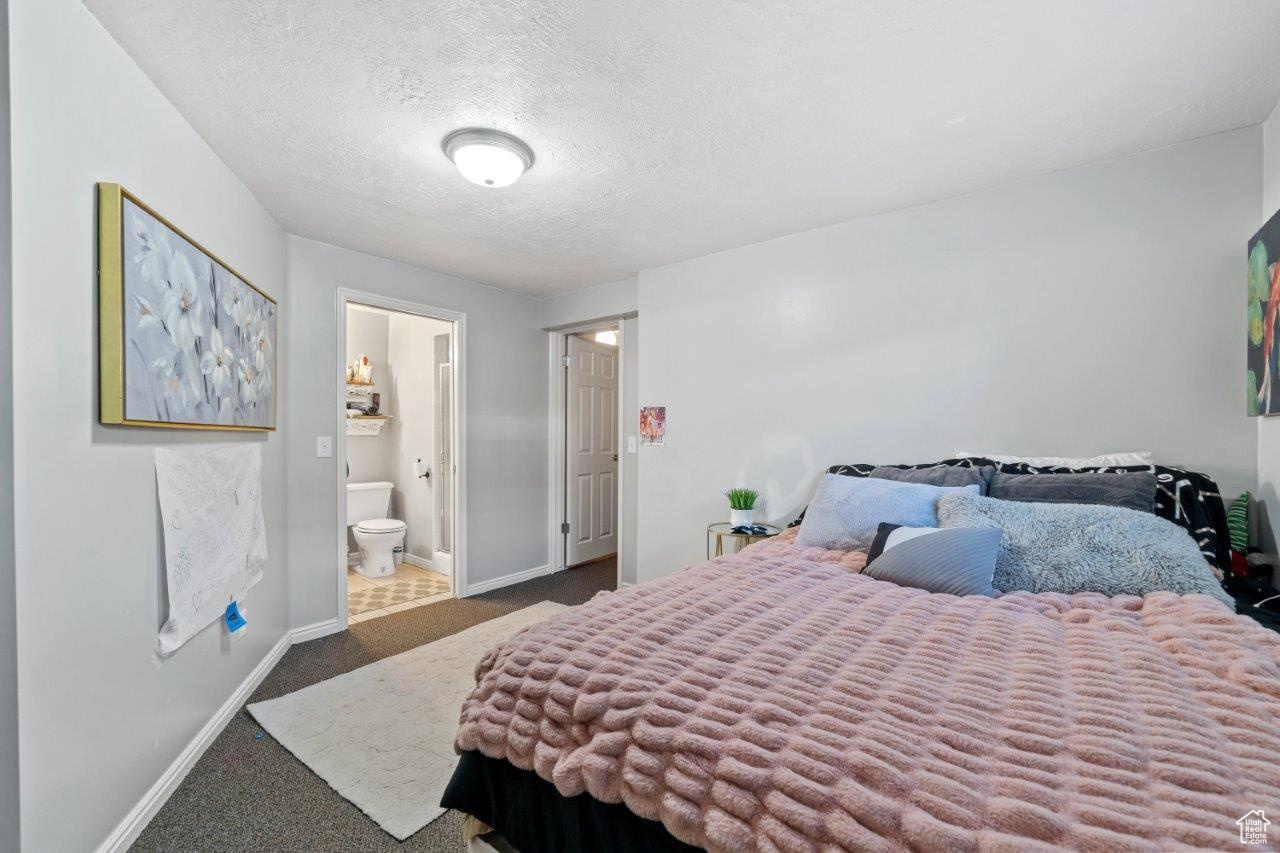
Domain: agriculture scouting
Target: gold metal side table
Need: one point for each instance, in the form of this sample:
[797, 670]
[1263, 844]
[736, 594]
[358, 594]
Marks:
[724, 530]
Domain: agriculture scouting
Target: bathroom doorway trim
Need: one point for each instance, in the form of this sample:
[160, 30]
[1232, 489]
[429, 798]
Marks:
[457, 345]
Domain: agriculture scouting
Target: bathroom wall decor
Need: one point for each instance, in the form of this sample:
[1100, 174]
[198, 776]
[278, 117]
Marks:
[184, 340]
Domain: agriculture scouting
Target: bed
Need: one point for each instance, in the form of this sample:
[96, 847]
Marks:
[776, 699]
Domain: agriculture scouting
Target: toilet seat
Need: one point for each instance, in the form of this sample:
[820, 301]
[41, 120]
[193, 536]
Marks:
[380, 525]
[378, 539]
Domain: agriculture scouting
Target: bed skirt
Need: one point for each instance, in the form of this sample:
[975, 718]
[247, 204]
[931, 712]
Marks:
[532, 816]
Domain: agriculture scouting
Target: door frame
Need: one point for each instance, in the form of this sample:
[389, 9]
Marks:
[593, 549]
[457, 346]
[557, 543]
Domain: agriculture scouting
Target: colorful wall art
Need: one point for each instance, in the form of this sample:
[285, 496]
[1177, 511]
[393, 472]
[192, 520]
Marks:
[653, 426]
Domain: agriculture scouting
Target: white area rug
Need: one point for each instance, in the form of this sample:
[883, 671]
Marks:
[382, 735]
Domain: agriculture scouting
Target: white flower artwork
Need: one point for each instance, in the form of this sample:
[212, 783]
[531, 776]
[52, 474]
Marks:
[199, 341]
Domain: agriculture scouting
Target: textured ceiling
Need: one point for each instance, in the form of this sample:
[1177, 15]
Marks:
[665, 130]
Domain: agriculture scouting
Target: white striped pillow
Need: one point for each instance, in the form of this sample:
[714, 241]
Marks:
[954, 560]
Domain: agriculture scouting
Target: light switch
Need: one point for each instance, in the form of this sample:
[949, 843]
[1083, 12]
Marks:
[324, 446]
[631, 444]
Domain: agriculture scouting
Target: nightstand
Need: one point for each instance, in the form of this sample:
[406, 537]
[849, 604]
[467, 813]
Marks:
[724, 530]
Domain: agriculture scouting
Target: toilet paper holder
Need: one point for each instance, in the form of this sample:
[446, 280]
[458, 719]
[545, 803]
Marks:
[421, 470]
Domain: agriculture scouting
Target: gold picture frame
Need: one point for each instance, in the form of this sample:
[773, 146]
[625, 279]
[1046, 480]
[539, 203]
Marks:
[185, 341]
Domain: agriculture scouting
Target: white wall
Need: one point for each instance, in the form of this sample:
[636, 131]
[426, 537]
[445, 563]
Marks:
[1266, 490]
[9, 811]
[411, 358]
[102, 717]
[370, 456]
[506, 375]
[1092, 310]
[611, 299]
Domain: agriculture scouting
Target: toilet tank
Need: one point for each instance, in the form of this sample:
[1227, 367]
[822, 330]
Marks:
[367, 500]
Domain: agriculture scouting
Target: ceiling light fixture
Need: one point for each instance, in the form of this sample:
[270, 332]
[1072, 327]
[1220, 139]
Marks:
[489, 158]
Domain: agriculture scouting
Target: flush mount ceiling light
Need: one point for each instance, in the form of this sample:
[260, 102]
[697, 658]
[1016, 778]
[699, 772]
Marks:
[489, 158]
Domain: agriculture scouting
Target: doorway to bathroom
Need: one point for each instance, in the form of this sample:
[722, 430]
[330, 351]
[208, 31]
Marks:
[400, 408]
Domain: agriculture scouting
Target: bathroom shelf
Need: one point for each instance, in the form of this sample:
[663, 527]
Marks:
[366, 424]
[358, 382]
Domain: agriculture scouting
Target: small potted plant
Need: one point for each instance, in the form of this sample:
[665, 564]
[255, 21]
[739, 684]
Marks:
[742, 503]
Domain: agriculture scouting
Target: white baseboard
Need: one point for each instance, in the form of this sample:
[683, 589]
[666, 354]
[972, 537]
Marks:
[505, 580]
[420, 562]
[128, 830]
[315, 631]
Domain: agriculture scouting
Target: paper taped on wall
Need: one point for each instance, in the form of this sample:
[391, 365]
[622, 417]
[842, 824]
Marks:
[215, 541]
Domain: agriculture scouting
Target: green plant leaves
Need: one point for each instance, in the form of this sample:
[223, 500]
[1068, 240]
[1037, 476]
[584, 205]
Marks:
[1259, 274]
[1259, 294]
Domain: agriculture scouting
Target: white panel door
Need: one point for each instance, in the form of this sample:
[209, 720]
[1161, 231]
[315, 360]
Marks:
[592, 451]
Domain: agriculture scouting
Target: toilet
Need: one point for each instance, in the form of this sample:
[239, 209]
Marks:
[377, 535]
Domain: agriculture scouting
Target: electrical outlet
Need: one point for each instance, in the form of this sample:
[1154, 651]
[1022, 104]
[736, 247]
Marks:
[324, 447]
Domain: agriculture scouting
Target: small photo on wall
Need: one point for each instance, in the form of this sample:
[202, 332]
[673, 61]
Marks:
[653, 426]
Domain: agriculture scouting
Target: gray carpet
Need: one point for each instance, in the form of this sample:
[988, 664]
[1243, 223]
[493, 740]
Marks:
[253, 795]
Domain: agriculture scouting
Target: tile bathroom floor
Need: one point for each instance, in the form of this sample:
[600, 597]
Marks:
[357, 582]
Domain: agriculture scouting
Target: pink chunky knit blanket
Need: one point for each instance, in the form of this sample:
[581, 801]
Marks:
[776, 699]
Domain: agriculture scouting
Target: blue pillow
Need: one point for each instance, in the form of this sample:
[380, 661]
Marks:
[846, 511]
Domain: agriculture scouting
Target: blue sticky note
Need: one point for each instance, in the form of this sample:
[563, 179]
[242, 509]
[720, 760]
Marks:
[233, 618]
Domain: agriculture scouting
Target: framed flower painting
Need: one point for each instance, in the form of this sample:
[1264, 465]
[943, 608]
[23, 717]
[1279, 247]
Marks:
[184, 340]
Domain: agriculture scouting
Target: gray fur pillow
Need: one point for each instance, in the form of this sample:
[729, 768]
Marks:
[1075, 548]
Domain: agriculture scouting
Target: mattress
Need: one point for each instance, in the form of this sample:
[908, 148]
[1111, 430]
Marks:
[778, 699]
